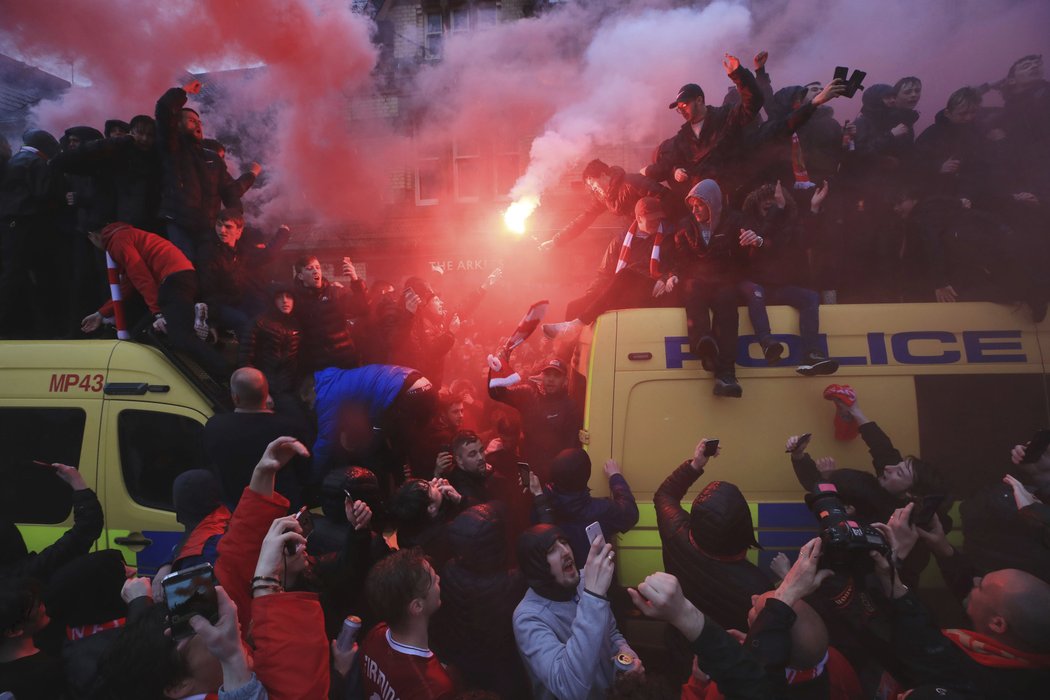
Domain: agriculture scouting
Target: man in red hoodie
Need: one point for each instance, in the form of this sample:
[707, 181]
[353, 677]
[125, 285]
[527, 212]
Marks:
[155, 270]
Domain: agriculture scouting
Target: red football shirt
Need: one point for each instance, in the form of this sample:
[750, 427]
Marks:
[394, 671]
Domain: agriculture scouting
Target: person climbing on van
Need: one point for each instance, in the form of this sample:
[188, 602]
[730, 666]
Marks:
[708, 257]
[775, 273]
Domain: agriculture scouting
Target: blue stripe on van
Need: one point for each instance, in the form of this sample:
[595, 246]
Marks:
[785, 539]
[786, 515]
[151, 558]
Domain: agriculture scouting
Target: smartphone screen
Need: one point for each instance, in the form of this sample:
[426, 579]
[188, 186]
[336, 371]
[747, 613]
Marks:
[524, 473]
[190, 592]
[710, 448]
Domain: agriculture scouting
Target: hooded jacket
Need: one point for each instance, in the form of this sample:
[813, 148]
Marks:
[625, 189]
[27, 187]
[566, 637]
[17, 561]
[473, 629]
[550, 423]
[575, 508]
[782, 258]
[719, 582]
[718, 259]
[273, 348]
[229, 275]
[144, 260]
[819, 134]
[195, 183]
[976, 179]
[875, 144]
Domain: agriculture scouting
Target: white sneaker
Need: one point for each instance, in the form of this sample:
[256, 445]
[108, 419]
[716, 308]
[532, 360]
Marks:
[200, 320]
[553, 330]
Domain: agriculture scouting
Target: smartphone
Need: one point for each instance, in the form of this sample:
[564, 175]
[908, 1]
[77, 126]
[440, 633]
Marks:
[445, 448]
[1036, 447]
[922, 514]
[306, 522]
[190, 592]
[803, 442]
[854, 83]
[594, 531]
[711, 448]
[524, 473]
[841, 73]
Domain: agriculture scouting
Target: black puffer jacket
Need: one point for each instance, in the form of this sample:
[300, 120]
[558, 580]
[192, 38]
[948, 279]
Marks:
[196, 183]
[324, 313]
[877, 147]
[273, 349]
[625, 189]
[135, 177]
[722, 587]
[473, 629]
[228, 275]
[975, 179]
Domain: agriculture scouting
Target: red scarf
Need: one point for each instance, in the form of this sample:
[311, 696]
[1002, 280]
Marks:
[654, 259]
[798, 165]
[85, 631]
[992, 653]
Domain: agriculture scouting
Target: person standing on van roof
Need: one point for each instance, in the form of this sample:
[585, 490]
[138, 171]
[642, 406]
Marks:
[708, 255]
[550, 420]
[706, 548]
[155, 270]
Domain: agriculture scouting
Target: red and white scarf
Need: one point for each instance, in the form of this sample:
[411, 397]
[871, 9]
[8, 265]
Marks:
[992, 653]
[654, 259]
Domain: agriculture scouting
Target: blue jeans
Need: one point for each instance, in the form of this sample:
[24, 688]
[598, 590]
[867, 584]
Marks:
[233, 319]
[805, 300]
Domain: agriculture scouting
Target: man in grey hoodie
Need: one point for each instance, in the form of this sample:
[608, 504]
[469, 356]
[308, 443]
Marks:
[564, 625]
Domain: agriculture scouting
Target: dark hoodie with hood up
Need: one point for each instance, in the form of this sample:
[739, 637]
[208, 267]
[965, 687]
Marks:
[473, 630]
[575, 508]
[709, 251]
[706, 548]
[876, 146]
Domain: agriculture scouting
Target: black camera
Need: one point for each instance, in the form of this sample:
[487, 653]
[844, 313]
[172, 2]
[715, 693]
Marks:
[853, 83]
[846, 543]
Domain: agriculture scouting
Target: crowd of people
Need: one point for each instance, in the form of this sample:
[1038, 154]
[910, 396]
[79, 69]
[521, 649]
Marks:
[357, 476]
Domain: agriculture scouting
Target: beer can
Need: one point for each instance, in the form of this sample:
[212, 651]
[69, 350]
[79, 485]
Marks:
[348, 635]
[623, 662]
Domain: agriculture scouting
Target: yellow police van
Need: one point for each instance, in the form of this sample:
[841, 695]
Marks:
[957, 383]
[128, 415]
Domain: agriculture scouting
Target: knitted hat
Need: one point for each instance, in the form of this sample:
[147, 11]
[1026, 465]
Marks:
[720, 521]
[571, 470]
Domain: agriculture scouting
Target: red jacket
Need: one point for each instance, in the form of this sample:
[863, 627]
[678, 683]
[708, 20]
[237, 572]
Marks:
[286, 629]
[144, 260]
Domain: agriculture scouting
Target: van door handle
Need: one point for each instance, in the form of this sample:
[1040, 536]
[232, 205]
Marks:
[635, 356]
[133, 540]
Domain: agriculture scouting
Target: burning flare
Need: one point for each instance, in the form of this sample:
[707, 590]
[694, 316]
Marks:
[518, 212]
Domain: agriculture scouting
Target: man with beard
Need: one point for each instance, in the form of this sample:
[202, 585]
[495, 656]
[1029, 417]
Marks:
[564, 625]
[323, 308]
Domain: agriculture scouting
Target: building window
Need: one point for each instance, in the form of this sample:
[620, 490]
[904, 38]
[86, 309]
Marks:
[30, 493]
[506, 152]
[459, 20]
[433, 36]
[430, 167]
[486, 16]
[467, 169]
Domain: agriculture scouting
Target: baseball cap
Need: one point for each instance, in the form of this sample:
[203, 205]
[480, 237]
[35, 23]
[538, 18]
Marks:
[553, 363]
[686, 93]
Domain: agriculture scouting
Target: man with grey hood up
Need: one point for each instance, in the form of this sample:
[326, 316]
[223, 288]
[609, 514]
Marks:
[710, 245]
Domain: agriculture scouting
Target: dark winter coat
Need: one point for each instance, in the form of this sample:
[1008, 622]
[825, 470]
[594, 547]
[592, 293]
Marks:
[975, 178]
[16, 561]
[1026, 121]
[706, 155]
[196, 183]
[135, 176]
[575, 510]
[819, 134]
[28, 189]
[720, 588]
[273, 348]
[324, 313]
[998, 536]
[414, 341]
[229, 275]
[876, 146]
[782, 258]
[625, 189]
[473, 629]
[721, 258]
[550, 424]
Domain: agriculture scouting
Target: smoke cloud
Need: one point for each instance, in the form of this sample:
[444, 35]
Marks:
[578, 77]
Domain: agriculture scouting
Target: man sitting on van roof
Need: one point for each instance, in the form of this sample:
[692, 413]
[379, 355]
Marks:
[706, 548]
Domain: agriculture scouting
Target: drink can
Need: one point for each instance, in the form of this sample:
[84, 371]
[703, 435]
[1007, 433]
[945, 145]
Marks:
[348, 635]
[623, 662]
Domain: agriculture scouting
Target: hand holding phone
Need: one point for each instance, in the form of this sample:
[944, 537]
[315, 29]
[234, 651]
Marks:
[1035, 448]
[801, 444]
[190, 592]
[306, 521]
[594, 531]
[523, 474]
[711, 447]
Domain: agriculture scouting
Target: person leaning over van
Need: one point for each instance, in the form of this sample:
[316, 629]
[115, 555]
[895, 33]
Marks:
[706, 548]
[16, 560]
[155, 270]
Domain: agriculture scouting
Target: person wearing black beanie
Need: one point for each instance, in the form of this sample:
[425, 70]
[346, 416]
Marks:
[564, 625]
